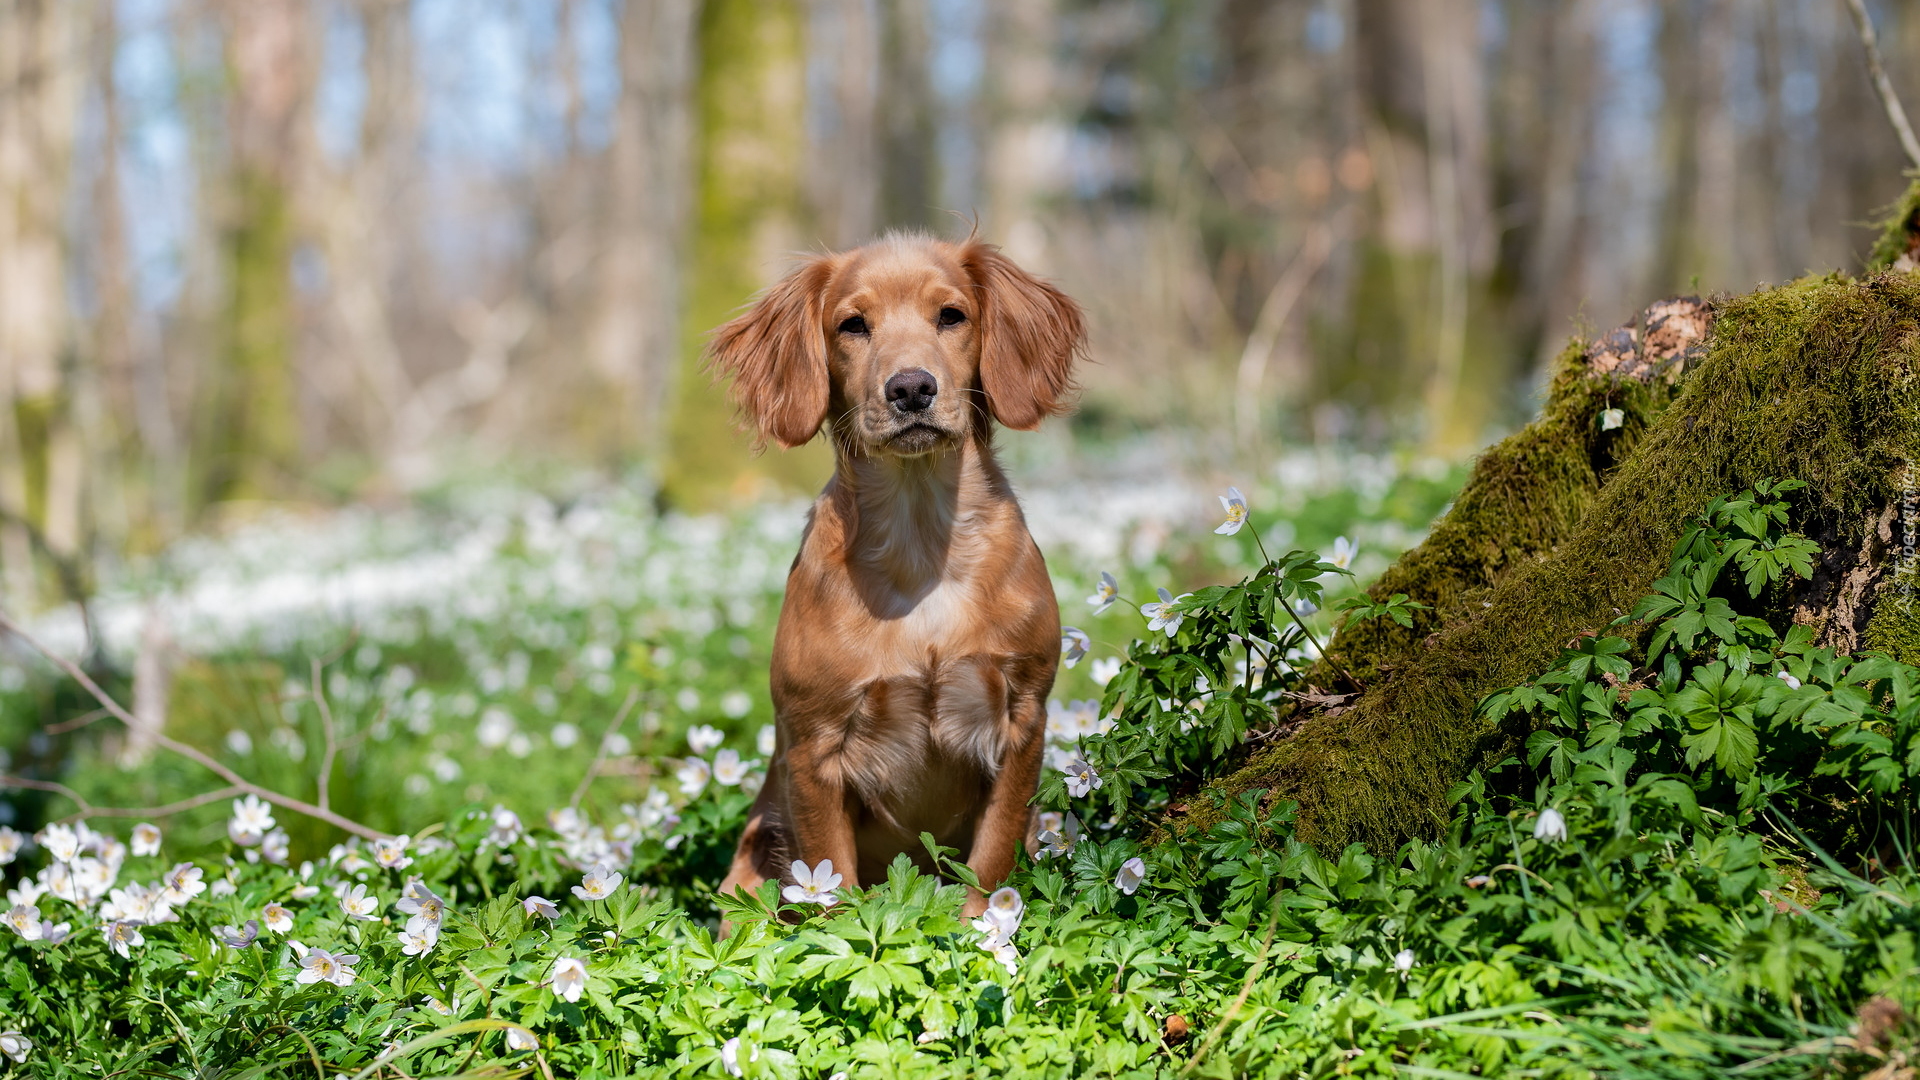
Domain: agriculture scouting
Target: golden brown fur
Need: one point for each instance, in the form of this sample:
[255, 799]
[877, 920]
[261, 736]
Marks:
[920, 635]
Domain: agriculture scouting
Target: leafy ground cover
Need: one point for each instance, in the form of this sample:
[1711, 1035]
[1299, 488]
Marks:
[1699, 867]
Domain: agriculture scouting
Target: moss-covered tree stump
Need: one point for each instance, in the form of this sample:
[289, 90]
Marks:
[1563, 526]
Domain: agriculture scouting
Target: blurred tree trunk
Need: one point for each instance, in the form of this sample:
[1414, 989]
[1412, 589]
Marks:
[114, 466]
[1433, 245]
[635, 318]
[358, 213]
[1551, 81]
[1022, 37]
[750, 125]
[248, 429]
[844, 164]
[907, 180]
[41, 64]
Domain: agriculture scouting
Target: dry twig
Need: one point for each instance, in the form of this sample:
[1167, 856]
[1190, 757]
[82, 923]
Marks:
[87, 809]
[600, 756]
[326, 725]
[1882, 85]
[192, 753]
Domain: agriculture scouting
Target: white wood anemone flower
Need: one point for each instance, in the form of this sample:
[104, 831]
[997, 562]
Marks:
[704, 739]
[60, 841]
[812, 886]
[597, 884]
[1132, 873]
[419, 900]
[240, 937]
[1550, 826]
[123, 937]
[1235, 504]
[182, 883]
[251, 822]
[1058, 833]
[319, 965]
[392, 852]
[146, 839]
[25, 920]
[15, 1045]
[504, 827]
[1343, 552]
[1081, 779]
[419, 936]
[1104, 594]
[693, 775]
[1161, 615]
[276, 918]
[730, 1056]
[1005, 909]
[1074, 644]
[728, 769]
[359, 904]
[569, 978]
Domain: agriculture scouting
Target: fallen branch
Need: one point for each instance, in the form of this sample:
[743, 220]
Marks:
[600, 755]
[192, 753]
[63, 726]
[72, 581]
[326, 726]
[87, 809]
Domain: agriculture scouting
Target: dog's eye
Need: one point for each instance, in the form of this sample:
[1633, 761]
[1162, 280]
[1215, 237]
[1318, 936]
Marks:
[952, 316]
[853, 324]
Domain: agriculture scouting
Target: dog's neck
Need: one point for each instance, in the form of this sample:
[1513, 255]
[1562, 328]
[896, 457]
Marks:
[913, 518]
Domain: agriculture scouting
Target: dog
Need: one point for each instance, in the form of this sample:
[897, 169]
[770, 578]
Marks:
[920, 634]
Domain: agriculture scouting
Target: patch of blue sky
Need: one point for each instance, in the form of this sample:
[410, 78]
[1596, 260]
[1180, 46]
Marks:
[158, 172]
[1627, 128]
[956, 71]
[340, 91]
[474, 79]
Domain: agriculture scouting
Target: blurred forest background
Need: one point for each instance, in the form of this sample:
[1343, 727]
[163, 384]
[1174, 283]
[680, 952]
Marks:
[312, 251]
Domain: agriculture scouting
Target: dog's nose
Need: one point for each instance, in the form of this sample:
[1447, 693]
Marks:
[912, 391]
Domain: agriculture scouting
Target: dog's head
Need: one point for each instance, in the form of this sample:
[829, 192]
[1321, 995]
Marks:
[909, 344]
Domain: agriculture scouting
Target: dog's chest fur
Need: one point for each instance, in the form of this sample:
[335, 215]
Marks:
[904, 663]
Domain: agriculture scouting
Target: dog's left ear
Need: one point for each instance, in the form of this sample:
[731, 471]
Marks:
[1030, 335]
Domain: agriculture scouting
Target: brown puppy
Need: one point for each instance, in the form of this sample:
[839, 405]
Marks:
[920, 633]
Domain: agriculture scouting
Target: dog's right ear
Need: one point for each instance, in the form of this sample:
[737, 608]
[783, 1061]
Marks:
[776, 355]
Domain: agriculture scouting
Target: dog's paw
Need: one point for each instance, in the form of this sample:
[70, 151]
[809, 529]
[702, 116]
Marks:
[975, 906]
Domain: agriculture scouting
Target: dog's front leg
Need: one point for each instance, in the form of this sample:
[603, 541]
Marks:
[1003, 821]
[821, 809]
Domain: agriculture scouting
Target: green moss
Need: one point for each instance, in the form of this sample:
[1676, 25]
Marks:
[1895, 626]
[1898, 230]
[1814, 380]
[1523, 498]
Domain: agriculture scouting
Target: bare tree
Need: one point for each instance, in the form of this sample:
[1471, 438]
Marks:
[749, 110]
[635, 330]
[41, 73]
[249, 436]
